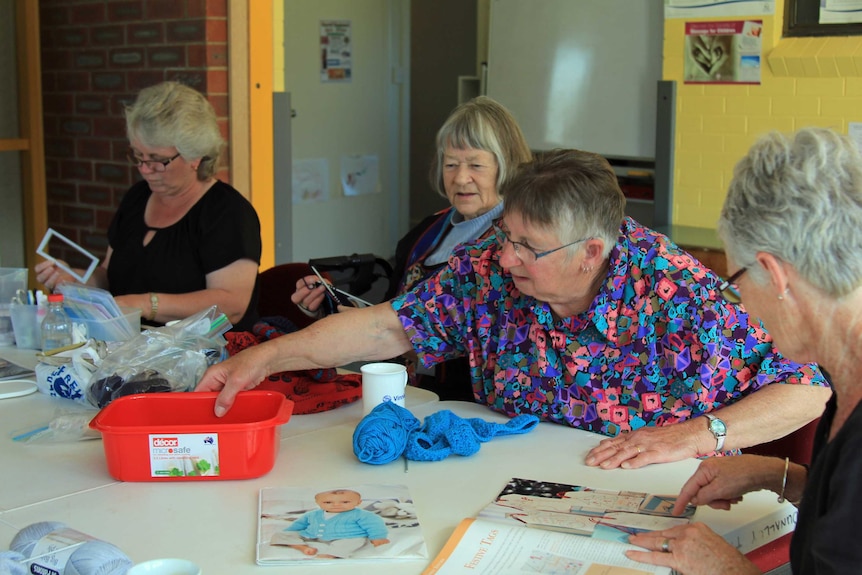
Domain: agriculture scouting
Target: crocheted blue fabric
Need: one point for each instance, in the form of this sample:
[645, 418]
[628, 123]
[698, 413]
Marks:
[390, 431]
[444, 433]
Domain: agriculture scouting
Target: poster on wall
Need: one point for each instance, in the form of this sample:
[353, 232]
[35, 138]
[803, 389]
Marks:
[360, 175]
[723, 52]
[721, 8]
[336, 51]
[840, 11]
[310, 181]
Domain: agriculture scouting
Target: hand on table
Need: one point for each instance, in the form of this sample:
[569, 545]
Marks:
[691, 549]
[644, 446]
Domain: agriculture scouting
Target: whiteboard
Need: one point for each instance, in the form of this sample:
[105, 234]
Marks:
[579, 73]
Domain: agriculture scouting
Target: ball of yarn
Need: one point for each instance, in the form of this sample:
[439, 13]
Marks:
[97, 557]
[26, 539]
[381, 436]
[93, 557]
[10, 563]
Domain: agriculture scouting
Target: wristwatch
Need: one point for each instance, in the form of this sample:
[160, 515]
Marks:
[718, 430]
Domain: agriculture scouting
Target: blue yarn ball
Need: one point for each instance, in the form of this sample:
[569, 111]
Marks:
[381, 436]
[93, 557]
[26, 539]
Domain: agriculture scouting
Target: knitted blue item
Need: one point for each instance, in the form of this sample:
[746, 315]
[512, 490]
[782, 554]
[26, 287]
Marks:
[381, 436]
[444, 433]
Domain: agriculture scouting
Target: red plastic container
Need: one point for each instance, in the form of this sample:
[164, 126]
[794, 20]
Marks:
[176, 436]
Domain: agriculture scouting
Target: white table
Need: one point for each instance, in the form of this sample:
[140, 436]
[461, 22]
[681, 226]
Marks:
[214, 523]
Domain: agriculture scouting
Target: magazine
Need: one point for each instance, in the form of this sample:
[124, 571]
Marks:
[497, 548]
[597, 513]
[337, 523]
[9, 370]
[542, 527]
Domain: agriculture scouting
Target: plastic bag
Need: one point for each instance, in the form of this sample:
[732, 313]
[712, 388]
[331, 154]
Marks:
[169, 358]
[67, 374]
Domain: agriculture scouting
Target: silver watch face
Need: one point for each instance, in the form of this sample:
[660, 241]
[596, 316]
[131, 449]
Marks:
[717, 427]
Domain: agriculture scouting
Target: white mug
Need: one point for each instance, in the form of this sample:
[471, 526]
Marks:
[165, 567]
[382, 382]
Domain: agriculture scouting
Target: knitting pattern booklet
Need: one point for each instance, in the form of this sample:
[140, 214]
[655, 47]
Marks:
[576, 531]
[337, 523]
[597, 513]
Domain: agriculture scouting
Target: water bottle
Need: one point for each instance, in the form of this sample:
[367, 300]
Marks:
[56, 327]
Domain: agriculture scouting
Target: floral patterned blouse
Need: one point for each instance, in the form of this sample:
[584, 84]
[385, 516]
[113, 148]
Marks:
[658, 345]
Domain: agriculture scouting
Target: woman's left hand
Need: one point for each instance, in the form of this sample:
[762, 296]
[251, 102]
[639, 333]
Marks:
[691, 549]
[644, 446]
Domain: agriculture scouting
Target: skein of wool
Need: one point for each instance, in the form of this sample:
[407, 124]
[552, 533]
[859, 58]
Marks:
[54, 547]
[11, 563]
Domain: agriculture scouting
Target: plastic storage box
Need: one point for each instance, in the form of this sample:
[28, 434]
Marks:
[176, 437]
[121, 328]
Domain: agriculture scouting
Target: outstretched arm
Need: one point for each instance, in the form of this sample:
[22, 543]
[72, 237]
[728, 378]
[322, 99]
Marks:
[770, 412]
[370, 333]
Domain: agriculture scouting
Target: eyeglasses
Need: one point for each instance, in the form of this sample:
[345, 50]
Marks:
[728, 289]
[528, 255]
[154, 165]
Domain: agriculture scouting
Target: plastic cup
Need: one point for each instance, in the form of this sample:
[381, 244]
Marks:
[26, 322]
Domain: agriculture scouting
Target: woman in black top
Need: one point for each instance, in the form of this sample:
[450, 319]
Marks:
[791, 225]
[181, 240]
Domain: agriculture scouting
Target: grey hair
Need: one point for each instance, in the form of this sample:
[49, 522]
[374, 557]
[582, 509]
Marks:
[171, 114]
[481, 124]
[574, 193]
[799, 198]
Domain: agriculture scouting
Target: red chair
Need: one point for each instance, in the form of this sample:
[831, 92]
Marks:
[797, 445]
[276, 285]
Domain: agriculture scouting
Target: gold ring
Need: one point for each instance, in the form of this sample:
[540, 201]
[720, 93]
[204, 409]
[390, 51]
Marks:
[665, 546]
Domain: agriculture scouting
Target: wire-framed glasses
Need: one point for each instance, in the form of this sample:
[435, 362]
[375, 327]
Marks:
[154, 165]
[524, 252]
[728, 289]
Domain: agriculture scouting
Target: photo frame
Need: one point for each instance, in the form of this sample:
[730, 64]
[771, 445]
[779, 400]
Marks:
[42, 250]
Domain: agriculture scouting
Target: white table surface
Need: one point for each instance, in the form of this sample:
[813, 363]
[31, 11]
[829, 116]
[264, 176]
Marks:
[214, 523]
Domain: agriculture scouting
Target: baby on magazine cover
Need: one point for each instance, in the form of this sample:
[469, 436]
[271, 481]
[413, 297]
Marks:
[336, 530]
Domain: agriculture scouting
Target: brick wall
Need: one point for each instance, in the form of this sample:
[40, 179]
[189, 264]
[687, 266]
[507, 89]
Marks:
[804, 82]
[96, 55]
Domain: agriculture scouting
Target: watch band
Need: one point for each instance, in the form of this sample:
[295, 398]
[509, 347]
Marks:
[718, 429]
[154, 306]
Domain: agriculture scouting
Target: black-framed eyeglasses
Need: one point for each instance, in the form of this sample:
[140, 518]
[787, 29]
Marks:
[728, 289]
[154, 165]
[528, 255]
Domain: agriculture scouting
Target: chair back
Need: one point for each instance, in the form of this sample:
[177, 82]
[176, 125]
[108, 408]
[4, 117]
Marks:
[276, 285]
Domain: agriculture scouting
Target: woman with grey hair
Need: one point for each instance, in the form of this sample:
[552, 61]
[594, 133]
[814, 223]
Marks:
[181, 240]
[479, 149]
[581, 316]
[792, 227]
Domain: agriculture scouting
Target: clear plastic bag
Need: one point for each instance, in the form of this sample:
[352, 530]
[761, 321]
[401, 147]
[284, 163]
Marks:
[169, 358]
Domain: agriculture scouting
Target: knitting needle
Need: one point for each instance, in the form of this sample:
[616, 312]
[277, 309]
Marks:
[405, 464]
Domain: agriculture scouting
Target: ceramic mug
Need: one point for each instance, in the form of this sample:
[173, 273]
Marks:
[165, 567]
[382, 382]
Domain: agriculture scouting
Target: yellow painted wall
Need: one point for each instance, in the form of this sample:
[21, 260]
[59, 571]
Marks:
[804, 82]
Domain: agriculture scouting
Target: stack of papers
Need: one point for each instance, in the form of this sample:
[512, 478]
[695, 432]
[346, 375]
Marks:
[89, 304]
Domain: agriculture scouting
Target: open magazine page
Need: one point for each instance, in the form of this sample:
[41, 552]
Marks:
[579, 510]
[495, 548]
[337, 523]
